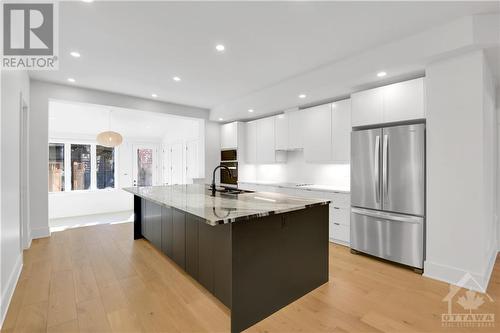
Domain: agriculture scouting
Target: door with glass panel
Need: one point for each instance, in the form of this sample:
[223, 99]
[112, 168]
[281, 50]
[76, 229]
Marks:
[144, 167]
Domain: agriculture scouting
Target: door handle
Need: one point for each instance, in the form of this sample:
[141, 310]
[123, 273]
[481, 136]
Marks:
[385, 165]
[376, 169]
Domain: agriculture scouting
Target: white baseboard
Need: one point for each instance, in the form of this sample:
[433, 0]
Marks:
[10, 287]
[453, 275]
[40, 232]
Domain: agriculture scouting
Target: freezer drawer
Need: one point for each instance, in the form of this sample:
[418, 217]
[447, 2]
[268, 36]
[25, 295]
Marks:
[394, 237]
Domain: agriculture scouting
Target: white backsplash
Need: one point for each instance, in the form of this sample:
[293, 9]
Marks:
[296, 170]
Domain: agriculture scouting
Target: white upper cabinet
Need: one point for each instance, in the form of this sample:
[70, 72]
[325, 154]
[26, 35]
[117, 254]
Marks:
[404, 101]
[317, 125]
[281, 132]
[295, 130]
[229, 136]
[396, 102]
[341, 131]
[367, 107]
[251, 142]
[266, 152]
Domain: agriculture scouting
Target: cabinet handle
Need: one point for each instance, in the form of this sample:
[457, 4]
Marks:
[336, 208]
[336, 223]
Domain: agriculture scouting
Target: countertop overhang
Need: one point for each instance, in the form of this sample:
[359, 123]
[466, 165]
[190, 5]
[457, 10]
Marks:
[196, 199]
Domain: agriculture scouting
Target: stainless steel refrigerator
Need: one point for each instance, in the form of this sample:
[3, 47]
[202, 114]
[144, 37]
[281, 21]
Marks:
[388, 193]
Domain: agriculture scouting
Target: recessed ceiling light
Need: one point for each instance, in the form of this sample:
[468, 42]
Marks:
[220, 47]
[154, 95]
[381, 74]
[88, 0]
[302, 96]
[176, 78]
[250, 110]
[75, 54]
[220, 119]
[70, 79]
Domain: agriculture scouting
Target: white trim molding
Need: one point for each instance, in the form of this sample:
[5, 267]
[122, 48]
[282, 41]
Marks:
[11, 286]
[40, 233]
[454, 275]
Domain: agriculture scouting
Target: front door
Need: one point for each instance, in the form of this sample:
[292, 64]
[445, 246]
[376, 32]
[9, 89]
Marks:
[145, 162]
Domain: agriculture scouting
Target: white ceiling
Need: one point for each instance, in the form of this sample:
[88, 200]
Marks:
[78, 120]
[136, 48]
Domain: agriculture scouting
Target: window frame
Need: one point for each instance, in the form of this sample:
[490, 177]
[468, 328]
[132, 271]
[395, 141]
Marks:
[93, 166]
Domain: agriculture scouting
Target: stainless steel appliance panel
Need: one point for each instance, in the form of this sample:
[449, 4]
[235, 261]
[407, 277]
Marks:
[393, 237]
[365, 168]
[225, 177]
[403, 169]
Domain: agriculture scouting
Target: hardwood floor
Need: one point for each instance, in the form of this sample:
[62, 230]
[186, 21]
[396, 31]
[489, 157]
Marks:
[97, 279]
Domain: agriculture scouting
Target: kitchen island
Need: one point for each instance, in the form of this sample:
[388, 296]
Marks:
[255, 252]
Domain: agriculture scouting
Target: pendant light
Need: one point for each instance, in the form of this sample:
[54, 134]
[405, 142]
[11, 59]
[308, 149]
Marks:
[109, 138]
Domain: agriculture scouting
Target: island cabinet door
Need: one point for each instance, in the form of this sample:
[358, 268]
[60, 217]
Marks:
[179, 238]
[166, 231]
[206, 256]
[222, 263]
[192, 223]
[151, 223]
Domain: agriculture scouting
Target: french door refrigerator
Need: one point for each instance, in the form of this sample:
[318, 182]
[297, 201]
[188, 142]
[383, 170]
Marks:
[388, 193]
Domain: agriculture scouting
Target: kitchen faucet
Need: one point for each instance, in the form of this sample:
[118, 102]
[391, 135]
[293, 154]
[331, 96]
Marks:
[213, 176]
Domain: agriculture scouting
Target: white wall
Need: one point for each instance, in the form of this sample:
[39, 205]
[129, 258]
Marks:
[498, 164]
[13, 84]
[41, 93]
[460, 223]
[296, 170]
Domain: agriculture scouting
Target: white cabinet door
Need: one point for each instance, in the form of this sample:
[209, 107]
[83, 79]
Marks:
[177, 166]
[251, 142]
[167, 165]
[404, 101]
[229, 136]
[295, 130]
[192, 160]
[317, 124]
[266, 152]
[341, 131]
[367, 107]
[281, 131]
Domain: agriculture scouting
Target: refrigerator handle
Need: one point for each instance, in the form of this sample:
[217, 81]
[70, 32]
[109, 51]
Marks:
[376, 169]
[385, 163]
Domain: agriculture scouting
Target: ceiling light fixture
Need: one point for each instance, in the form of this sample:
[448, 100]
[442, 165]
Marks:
[176, 78]
[381, 74]
[88, 1]
[220, 47]
[70, 79]
[154, 95]
[302, 96]
[220, 119]
[109, 138]
[250, 110]
[75, 54]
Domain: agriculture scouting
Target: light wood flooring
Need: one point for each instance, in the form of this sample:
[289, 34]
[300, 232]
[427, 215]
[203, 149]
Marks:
[97, 279]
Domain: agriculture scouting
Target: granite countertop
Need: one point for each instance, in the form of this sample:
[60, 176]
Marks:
[310, 187]
[196, 199]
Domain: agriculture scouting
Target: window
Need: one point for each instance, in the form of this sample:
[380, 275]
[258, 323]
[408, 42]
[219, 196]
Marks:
[56, 167]
[105, 160]
[80, 167]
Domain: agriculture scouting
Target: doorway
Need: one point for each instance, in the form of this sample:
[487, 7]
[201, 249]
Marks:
[145, 165]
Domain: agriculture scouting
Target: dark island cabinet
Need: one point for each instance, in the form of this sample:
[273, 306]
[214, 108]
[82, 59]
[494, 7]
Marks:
[179, 238]
[166, 231]
[202, 250]
[192, 261]
[151, 226]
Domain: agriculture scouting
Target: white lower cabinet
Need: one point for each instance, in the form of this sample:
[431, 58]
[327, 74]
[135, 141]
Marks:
[339, 211]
